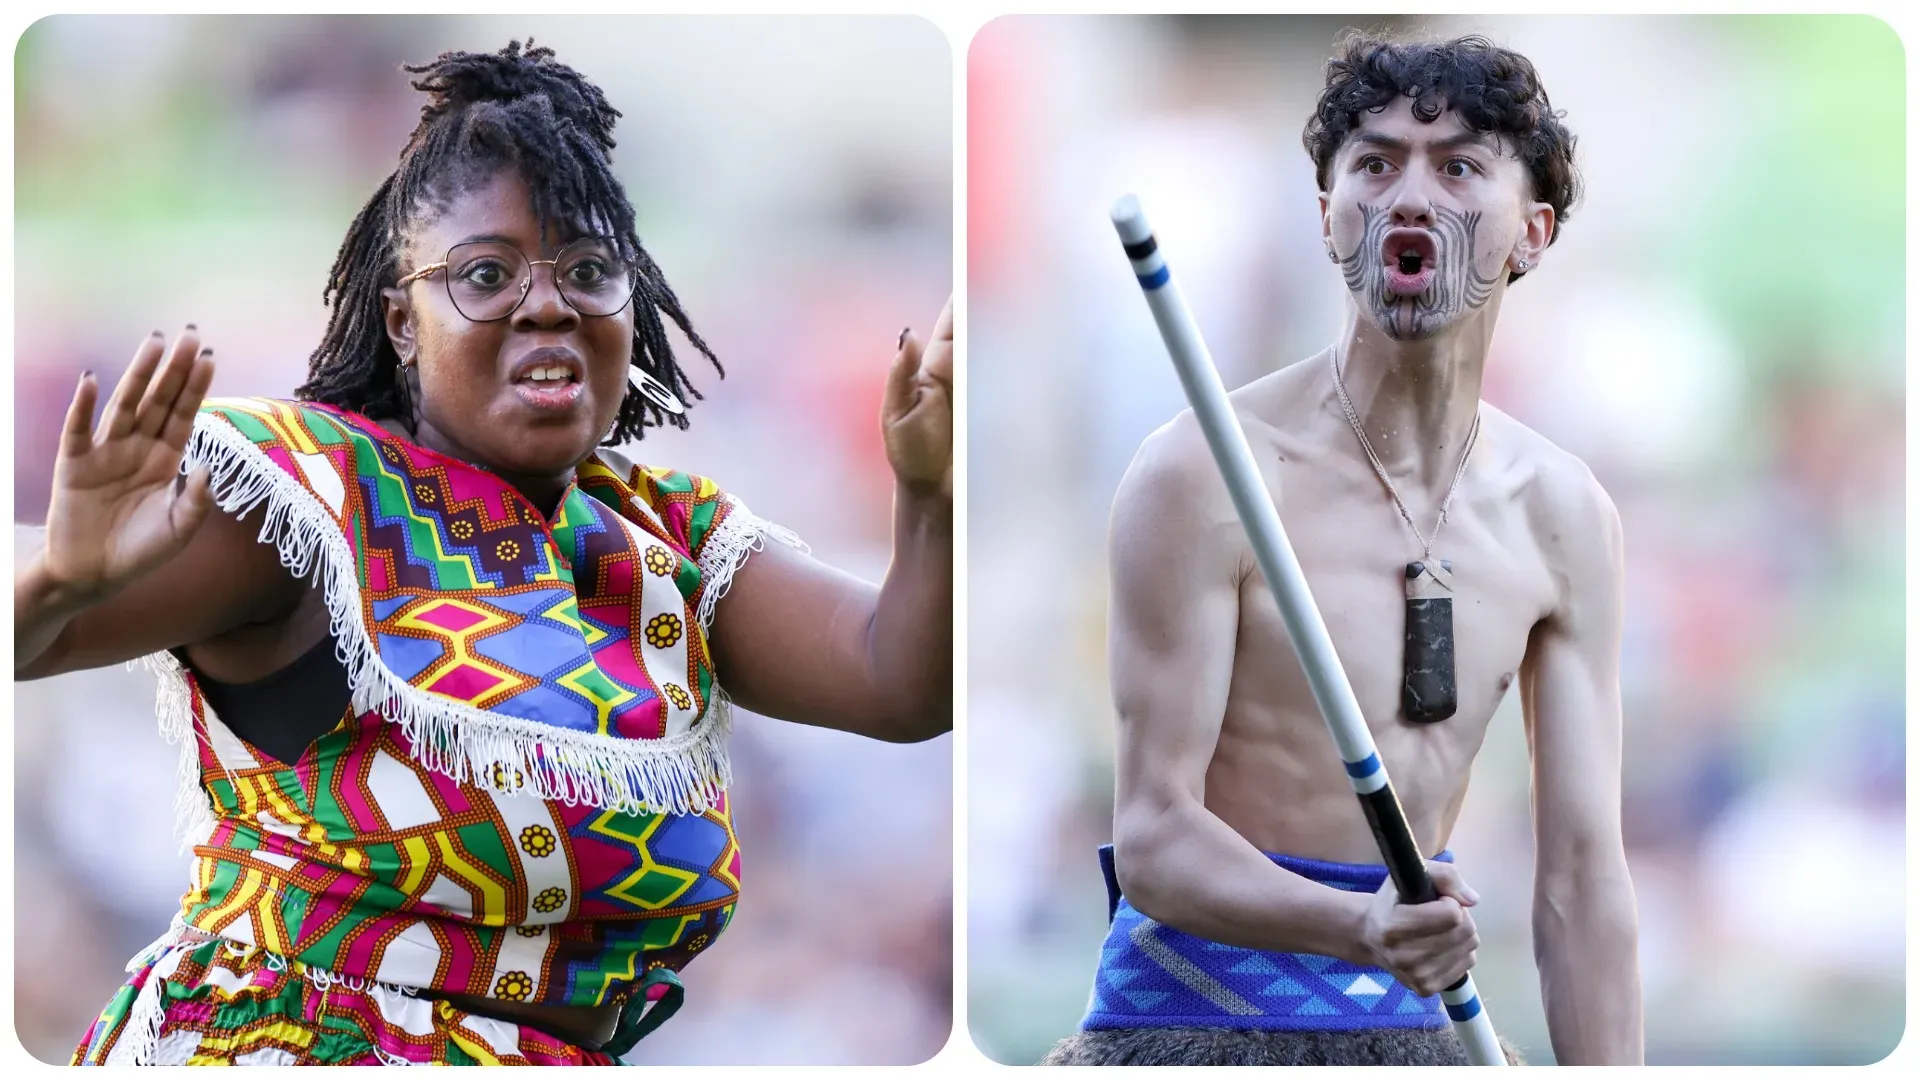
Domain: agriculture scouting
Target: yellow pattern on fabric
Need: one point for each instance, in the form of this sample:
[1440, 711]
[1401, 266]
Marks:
[237, 900]
[583, 681]
[567, 611]
[460, 651]
[493, 897]
[604, 826]
[419, 860]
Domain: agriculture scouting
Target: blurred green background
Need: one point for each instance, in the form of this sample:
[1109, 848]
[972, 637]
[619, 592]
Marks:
[1719, 333]
[793, 177]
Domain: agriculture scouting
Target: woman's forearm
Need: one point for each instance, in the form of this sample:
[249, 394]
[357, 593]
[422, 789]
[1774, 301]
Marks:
[910, 639]
[42, 607]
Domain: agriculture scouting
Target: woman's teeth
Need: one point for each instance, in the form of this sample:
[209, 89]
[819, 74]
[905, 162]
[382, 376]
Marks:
[549, 374]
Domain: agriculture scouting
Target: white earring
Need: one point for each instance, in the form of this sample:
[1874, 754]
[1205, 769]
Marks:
[1523, 265]
[653, 390]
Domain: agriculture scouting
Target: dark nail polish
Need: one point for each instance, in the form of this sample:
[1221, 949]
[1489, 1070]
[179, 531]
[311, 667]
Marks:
[192, 326]
[87, 374]
[206, 352]
[903, 338]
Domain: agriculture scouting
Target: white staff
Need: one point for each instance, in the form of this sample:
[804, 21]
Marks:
[1309, 633]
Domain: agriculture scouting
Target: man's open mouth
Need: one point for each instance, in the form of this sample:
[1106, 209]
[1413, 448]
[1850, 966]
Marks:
[1409, 255]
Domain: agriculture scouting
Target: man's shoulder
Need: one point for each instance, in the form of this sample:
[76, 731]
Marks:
[1558, 481]
[1175, 454]
[1572, 513]
[1173, 489]
[1178, 452]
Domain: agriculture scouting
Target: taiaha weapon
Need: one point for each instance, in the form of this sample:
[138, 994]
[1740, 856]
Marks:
[1331, 690]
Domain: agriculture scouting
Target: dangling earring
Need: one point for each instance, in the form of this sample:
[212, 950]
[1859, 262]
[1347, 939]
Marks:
[406, 394]
[654, 390]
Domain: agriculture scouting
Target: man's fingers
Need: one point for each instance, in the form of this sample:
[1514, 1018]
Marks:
[124, 405]
[1427, 920]
[76, 435]
[157, 404]
[1448, 882]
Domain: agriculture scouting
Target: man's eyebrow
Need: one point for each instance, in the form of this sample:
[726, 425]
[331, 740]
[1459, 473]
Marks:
[1451, 142]
[1467, 138]
[1385, 142]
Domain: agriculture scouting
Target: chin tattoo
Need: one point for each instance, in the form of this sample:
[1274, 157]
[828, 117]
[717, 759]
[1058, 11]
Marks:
[1457, 287]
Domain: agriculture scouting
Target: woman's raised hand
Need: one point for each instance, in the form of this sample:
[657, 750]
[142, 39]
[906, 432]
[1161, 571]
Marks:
[917, 417]
[119, 507]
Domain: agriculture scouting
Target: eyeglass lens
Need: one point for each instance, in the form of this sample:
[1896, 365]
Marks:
[488, 280]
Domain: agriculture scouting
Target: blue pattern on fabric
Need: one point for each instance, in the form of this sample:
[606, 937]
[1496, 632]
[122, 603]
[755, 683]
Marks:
[1152, 975]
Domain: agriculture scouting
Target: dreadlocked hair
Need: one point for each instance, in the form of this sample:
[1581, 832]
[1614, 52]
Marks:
[518, 108]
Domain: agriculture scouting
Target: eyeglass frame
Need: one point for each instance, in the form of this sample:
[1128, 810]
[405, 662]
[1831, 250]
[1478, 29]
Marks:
[526, 290]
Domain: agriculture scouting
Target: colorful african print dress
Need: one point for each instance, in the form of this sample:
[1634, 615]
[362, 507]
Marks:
[526, 799]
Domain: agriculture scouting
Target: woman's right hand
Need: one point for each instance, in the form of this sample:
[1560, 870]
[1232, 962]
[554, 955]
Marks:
[119, 507]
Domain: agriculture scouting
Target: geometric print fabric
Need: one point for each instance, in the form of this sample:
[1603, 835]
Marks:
[226, 1004]
[369, 859]
[1152, 975]
[579, 622]
[361, 861]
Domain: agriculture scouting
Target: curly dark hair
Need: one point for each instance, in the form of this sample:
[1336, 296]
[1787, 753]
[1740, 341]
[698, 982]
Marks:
[1493, 90]
[520, 109]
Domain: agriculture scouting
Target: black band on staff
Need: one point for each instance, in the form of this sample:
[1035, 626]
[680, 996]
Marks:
[1405, 863]
[1142, 249]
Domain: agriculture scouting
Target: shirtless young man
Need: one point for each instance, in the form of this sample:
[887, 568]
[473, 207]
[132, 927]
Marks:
[1254, 924]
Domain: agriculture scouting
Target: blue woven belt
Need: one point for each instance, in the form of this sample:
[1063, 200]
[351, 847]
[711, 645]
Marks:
[1152, 975]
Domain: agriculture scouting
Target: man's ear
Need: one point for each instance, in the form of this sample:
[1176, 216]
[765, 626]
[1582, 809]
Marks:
[1536, 232]
[398, 310]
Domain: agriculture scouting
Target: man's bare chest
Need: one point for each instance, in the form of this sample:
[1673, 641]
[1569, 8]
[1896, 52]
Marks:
[1354, 549]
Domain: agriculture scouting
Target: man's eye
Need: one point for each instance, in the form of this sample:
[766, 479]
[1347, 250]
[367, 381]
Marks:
[1460, 167]
[1374, 165]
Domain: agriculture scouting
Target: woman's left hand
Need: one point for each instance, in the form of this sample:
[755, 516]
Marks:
[917, 417]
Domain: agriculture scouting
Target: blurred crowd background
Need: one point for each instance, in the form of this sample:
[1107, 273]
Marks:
[794, 179]
[1718, 333]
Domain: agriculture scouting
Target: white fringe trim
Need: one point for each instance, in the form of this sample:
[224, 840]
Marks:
[193, 816]
[724, 551]
[686, 773]
[139, 1038]
[140, 1034]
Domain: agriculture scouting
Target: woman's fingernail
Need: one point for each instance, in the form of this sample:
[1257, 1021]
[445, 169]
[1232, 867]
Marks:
[902, 343]
[206, 352]
[192, 326]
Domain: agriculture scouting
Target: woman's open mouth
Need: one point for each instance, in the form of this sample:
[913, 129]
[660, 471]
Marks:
[550, 379]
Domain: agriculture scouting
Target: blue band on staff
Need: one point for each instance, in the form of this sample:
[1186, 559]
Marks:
[1361, 769]
[1464, 1011]
[1153, 280]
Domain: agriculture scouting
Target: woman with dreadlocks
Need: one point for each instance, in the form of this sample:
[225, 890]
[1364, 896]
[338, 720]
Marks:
[445, 668]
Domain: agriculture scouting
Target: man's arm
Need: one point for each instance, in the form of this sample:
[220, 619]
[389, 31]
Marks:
[1585, 927]
[1177, 561]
